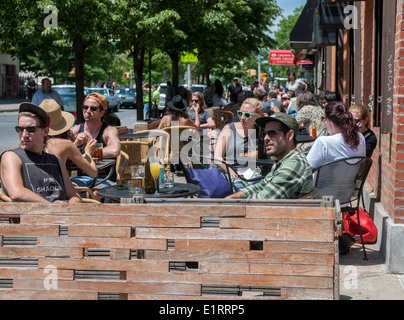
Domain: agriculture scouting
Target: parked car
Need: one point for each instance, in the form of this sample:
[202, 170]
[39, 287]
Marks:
[68, 94]
[163, 90]
[113, 101]
[128, 97]
[197, 87]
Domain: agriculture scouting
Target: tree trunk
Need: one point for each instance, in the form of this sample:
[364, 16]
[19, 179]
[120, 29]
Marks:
[174, 69]
[79, 49]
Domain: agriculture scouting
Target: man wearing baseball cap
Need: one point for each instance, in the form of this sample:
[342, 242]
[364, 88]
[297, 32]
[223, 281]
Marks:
[291, 176]
[93, 127]
[28, 173]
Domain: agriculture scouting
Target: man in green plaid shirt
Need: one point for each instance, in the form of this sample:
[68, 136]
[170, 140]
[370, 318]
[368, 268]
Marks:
[291, 177]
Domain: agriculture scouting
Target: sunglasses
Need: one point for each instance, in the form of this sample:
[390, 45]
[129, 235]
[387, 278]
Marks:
[357, 120]
[93, 109]
[30, 129]
[246, 115]
[195, 100]
[272, 133]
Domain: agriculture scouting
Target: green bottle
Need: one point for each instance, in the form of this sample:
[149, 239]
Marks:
[149, 185]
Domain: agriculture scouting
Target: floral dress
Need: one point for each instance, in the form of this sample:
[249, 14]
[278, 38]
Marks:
[307, 115]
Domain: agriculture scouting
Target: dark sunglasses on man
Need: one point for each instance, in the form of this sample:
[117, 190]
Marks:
[92, 108]
[30, 129]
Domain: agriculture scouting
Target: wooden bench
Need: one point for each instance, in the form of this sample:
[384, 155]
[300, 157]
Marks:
[188, 249]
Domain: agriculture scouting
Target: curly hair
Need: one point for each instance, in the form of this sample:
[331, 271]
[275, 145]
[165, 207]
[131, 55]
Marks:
[339, 114]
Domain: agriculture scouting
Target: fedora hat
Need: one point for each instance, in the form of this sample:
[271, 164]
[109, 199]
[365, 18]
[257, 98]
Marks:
[60, 121]
[177, 103]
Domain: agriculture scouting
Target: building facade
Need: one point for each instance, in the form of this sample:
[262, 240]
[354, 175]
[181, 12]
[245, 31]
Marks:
[358, 51]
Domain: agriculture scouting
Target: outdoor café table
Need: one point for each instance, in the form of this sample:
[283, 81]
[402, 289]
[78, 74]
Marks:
[179, 190]
[304, 138]
[102, 165]
[139, 135]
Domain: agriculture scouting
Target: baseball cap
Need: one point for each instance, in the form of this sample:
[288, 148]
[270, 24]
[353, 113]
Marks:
[99, 98]
[286, 96]
[33, 108]
[281, 117]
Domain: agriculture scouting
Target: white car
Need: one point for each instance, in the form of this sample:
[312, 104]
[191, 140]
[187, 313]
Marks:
[113, 101]
[163, 90]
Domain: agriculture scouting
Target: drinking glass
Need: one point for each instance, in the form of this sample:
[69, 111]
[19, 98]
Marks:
[137, 174]
[155, 171]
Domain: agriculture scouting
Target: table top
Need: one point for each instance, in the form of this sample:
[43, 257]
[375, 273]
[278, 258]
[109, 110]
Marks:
[179, 190]
[304, 138]
[139, 135]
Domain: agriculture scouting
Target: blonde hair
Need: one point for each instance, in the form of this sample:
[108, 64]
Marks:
[200, 98]
[255, 103]
[362, 111]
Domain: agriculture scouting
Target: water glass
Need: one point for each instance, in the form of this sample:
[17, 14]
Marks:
[137, 174]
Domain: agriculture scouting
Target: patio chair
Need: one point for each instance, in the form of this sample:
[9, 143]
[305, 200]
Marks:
[344, 180]
[137, 153]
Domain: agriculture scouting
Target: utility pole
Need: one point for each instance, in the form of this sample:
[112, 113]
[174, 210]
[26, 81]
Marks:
[259, 66]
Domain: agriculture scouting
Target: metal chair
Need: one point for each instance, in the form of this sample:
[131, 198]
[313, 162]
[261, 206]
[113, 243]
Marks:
[344, 180]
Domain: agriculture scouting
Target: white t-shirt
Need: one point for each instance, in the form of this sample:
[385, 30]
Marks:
[330, 148]
[297, 85]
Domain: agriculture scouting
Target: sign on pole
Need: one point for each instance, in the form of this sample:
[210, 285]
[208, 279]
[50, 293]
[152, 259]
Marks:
[188, 57]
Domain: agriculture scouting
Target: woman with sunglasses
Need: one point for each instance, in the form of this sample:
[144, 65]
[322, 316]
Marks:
[361, 117]
[238, 138]
[344, 139]
[205, 118]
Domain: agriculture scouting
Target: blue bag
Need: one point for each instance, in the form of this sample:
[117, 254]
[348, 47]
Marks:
[212, 183]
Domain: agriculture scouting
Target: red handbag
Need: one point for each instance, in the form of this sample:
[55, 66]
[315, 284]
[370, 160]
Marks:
[369, 230]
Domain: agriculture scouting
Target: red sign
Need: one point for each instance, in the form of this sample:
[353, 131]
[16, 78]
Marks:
[304, 62]
[281, 57]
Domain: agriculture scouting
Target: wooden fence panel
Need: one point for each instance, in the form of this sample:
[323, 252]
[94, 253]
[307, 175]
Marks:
[191, 249]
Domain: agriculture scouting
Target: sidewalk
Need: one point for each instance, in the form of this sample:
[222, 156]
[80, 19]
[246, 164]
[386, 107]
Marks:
[10, 105]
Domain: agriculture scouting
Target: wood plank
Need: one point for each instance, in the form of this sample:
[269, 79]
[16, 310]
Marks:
[220, 245]
[230, 279]
[250, 256]
[35, 251]
[104, 264]
[232, 234]
[99, 231]
[113, 286]
[290, 212]
[115, 220]
[90, 242]
[275, 223]
[47, 295]
[8, 273]
[28, 230]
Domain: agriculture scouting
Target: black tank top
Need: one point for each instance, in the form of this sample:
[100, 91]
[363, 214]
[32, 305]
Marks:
[42, 174]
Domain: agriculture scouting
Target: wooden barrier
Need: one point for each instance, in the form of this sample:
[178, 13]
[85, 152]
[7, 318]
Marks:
[193, 249]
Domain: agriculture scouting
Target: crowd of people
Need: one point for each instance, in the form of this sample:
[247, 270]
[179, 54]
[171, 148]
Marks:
[48, 138]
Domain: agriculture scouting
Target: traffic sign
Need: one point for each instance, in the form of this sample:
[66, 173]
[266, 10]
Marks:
[187, 57]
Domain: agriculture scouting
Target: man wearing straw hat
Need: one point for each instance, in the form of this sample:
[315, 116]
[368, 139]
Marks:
[28, 173]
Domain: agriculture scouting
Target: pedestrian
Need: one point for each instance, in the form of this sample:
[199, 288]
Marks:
[294, 84]
[31, 87]
[234, 89]
[47, 93]
[147, 102]
[290, 177]
[28, 173]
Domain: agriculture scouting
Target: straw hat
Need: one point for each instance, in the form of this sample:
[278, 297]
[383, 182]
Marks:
[60, 121]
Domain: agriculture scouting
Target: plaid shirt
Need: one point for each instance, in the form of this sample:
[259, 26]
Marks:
[289, 178]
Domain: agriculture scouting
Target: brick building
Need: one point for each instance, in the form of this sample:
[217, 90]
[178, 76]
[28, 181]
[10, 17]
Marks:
[11, 85]
[358, 51]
